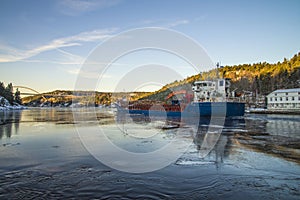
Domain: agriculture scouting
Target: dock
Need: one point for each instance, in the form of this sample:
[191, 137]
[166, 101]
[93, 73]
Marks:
[269, 111]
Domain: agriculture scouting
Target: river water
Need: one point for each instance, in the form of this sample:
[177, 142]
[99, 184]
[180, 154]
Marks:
[43, 156]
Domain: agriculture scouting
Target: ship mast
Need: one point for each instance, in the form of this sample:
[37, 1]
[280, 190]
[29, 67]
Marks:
[217, 74]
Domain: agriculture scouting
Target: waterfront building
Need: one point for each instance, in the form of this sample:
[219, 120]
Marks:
[284, 99]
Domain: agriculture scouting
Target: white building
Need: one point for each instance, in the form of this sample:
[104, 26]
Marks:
[287, 99]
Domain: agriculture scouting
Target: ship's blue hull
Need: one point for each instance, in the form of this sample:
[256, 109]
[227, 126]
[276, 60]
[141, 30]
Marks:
[226, 109]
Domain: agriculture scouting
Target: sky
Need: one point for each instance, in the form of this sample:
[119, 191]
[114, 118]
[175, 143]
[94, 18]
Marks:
[43, 44]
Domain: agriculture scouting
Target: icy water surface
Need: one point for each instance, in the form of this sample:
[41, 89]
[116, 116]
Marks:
[42, 157]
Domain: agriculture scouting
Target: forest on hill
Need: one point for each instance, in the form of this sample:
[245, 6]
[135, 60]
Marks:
[260, 78]
[264, 78]
[66, 98]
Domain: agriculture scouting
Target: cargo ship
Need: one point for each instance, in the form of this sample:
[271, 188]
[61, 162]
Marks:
[209, 98]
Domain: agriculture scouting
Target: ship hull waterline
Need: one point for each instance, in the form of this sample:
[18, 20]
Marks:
[220, 109]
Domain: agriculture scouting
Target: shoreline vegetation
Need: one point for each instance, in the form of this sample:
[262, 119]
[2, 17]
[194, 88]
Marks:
[8, 99]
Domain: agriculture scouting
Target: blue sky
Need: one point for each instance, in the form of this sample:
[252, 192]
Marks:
[44, 43]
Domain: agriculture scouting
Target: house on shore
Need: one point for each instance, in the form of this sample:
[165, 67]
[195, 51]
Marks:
[284, 100]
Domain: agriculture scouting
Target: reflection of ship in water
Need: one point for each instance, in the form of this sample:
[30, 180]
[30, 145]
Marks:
[211, 142]
[221, 143]
[9, 123]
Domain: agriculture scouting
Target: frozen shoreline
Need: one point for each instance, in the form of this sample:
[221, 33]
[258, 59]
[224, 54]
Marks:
[266, 111]
[5, 105]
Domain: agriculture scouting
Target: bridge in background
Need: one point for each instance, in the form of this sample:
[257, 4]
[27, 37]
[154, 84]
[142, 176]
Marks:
[27, 88]
[35, 92]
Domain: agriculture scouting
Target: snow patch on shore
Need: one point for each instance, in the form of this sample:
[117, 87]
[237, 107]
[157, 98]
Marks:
[5, 105]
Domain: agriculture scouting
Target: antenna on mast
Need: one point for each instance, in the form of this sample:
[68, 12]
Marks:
[218, 66]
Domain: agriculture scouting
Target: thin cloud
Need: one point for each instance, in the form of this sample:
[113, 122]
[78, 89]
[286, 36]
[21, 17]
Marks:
[51, 61]
[68, 59]
[73, 59]
[177, 23]
[11, 54]
[77, 7]
[163, 23]
[92, 74]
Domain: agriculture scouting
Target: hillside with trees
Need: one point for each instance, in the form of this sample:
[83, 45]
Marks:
[264, 78]
[259, 78]
[66, 98]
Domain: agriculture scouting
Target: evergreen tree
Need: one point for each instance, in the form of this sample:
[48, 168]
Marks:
[2, 89]
[18, 97]
[9, 93]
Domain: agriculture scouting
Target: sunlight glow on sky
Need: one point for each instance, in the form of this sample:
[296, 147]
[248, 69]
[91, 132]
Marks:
[44, 43]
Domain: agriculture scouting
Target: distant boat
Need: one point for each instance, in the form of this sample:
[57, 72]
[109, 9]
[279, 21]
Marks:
[211, 97]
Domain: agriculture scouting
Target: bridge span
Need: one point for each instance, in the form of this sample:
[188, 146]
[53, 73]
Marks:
[35, 92]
